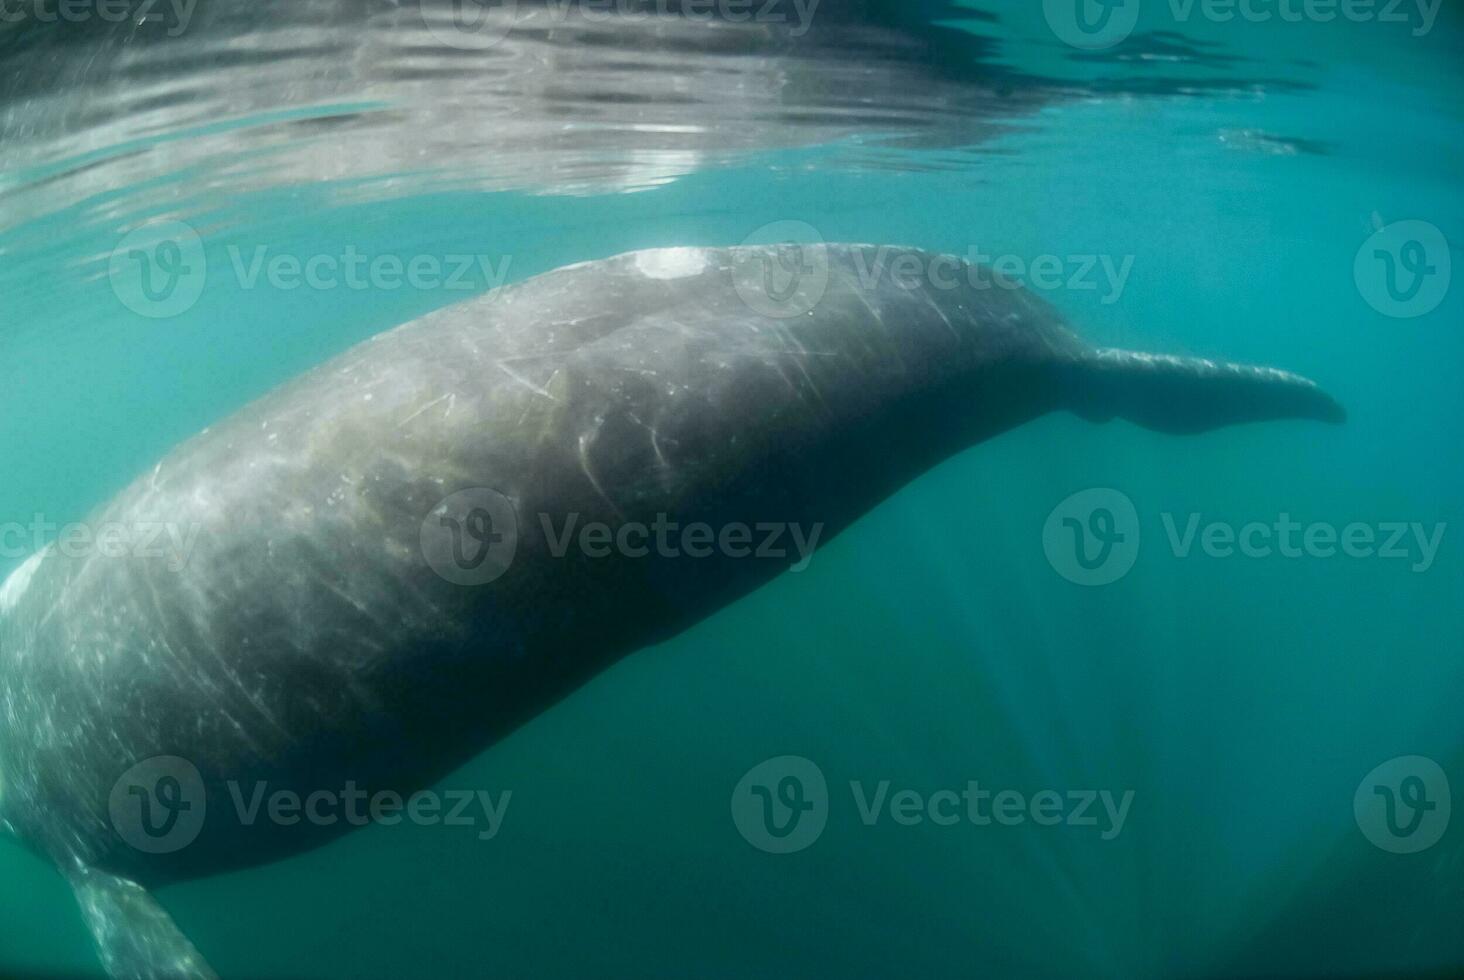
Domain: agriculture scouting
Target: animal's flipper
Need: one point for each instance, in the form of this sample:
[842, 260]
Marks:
[1187, 394]
[136, 939]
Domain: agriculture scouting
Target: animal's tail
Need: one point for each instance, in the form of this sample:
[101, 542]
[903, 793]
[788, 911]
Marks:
[1187, 394]
[136, 939]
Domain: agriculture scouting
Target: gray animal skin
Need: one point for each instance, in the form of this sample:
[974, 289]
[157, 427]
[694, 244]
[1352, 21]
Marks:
[312, 637]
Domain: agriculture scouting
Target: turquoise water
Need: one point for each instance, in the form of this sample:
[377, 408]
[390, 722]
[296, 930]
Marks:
[1242, 700]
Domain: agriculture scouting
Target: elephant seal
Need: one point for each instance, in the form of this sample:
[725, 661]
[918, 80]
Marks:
[382, 581]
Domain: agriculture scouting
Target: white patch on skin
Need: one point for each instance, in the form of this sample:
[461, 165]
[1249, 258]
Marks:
[19, 581]
[671, 263]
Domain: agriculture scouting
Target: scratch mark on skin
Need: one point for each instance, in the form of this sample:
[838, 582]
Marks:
[655, 439]
[524, 381]
[862, 295]
[584, 456]
[930, 301]
[798, 354]
[886, 326]
[426, 407]
[530, 356]
[178, 654]
[529, 408]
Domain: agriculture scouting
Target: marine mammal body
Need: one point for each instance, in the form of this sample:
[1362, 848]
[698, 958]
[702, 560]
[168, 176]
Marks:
[313, 638]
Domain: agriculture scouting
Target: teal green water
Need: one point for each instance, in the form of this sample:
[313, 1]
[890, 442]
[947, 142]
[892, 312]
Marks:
[1242, 700]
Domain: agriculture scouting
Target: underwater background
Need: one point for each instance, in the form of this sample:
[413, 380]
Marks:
[1280, 191]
